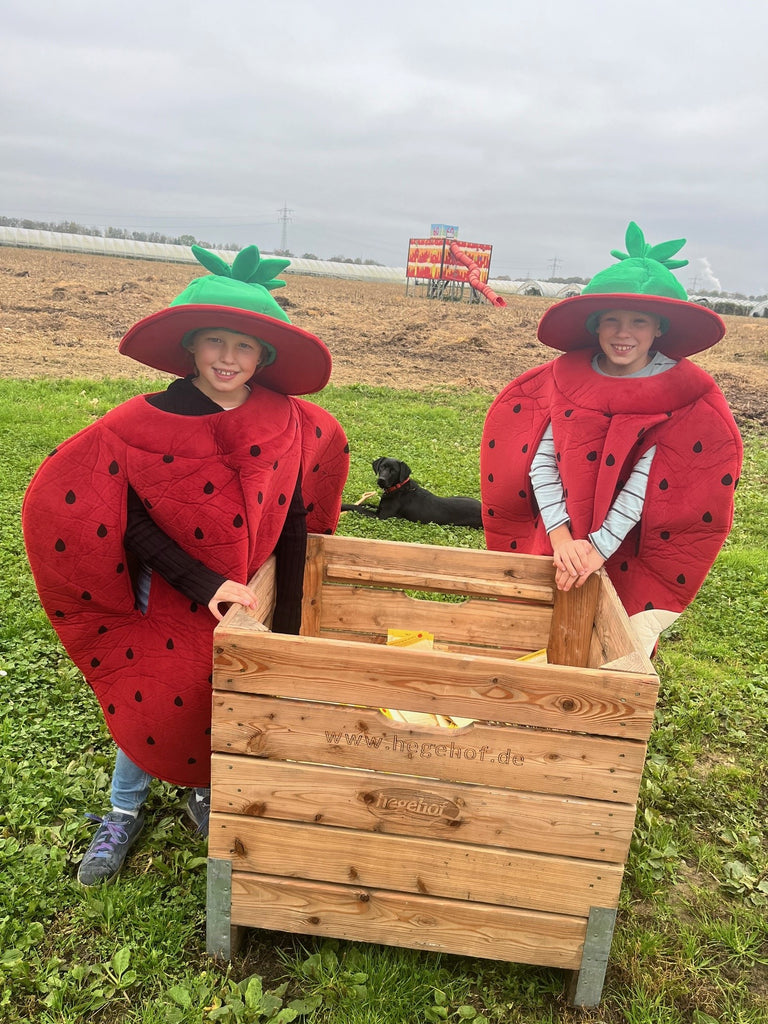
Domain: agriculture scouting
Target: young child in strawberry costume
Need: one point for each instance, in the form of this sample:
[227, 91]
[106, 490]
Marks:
[620, 452]
[142, 525]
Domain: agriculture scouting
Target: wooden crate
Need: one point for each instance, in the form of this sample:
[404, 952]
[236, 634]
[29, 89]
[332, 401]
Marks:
[505, 838]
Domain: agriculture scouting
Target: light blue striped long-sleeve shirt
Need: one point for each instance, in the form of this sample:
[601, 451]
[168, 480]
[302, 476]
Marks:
[628, 504]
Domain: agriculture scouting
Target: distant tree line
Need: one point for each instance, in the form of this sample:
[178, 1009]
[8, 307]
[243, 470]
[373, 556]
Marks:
[331, 259]
[71, 227]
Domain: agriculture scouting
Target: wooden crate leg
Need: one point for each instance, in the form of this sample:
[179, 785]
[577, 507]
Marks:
[222, 938]
[585, 986]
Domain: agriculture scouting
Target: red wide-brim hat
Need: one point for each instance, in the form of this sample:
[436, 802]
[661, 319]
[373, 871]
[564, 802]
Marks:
[692, 328]
[302, 365]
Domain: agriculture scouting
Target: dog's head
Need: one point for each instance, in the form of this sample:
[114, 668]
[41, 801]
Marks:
[390, 472]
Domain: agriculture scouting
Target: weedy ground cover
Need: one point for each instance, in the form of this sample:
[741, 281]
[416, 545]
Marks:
[691, 942]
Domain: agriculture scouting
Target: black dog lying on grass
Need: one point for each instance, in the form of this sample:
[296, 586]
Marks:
[404, 498]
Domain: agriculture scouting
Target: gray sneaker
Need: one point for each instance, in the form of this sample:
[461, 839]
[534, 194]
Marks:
[199, 810]
[114, 837]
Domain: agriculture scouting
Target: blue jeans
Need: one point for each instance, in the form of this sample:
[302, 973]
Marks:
[130, 784]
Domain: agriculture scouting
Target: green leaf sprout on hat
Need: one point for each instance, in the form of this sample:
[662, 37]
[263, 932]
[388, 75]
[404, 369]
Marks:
[638, 248]
[247, 267]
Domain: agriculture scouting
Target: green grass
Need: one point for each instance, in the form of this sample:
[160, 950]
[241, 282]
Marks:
[691, 944]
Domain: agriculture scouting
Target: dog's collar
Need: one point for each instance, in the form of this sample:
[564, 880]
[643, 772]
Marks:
[396, 487]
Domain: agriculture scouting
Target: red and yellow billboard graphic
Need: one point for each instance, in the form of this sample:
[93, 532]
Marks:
[431, 259]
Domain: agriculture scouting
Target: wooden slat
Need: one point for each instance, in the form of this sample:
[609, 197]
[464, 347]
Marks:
[430, 867]
[613, 636]
[573, 617]
[437, 682]
[479, 622]
[313, 582]
[262, 583]
[400, 805]
[449, 926]
[445, 583]
[484, 567]
[380, 639]
[530, 760]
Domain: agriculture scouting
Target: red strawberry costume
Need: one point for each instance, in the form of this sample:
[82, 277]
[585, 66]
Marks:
[602, 423]
[217, 485]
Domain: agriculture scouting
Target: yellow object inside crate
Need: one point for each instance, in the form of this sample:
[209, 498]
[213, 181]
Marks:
[421, 640]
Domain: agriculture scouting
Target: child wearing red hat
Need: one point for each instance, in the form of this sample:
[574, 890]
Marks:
[140, 526]
[620, 452]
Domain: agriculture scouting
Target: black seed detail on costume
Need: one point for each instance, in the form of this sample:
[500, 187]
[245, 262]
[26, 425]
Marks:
[522, 494]
[178, 702]
[150, 741]
[111, 709]
[60, 545]
[513, 545]
[193, 607]
[70, 498]
[199, 533]
[255, 450]
[665, 534]
[318, 432]
[208, 731]
[275, 464]
[490, 478]
[191, 760]
[681, 578]
[516, 408]
[669, 415]
[329, 531]
[147, 503]
[208, 489]
[346, 449]
[102, 531]
[624, 566]
[129, 654]
[167, 458]
[727, 480]
[50, 454]
[282, 499]
[238, 520]
[259, 497]
[491, 444]
[86, 595]
[610, 461]
[663, 484]
[641, 431]
[591, 456]
[558, 456]
[707, 517]
[316, 467]
[101, 630]
[568, 413]
[525, 448]
[311, 507]
[491, 513]
[698, 447]
[95, 662]
[138, 697]
[113, 468]
[119, 568]
[565, 492]
[649, 607]
[59, 614]
[169, 644]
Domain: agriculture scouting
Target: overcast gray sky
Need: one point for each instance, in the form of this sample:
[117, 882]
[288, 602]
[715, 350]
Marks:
[540, 127]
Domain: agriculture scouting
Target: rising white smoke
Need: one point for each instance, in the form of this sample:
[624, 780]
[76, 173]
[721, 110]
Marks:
[701, 277]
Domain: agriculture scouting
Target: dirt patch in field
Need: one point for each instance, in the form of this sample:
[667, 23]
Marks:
[63, 315]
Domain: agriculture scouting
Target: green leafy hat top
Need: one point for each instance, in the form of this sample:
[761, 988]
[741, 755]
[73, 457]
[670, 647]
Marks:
[235, 298]
[642, 280]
